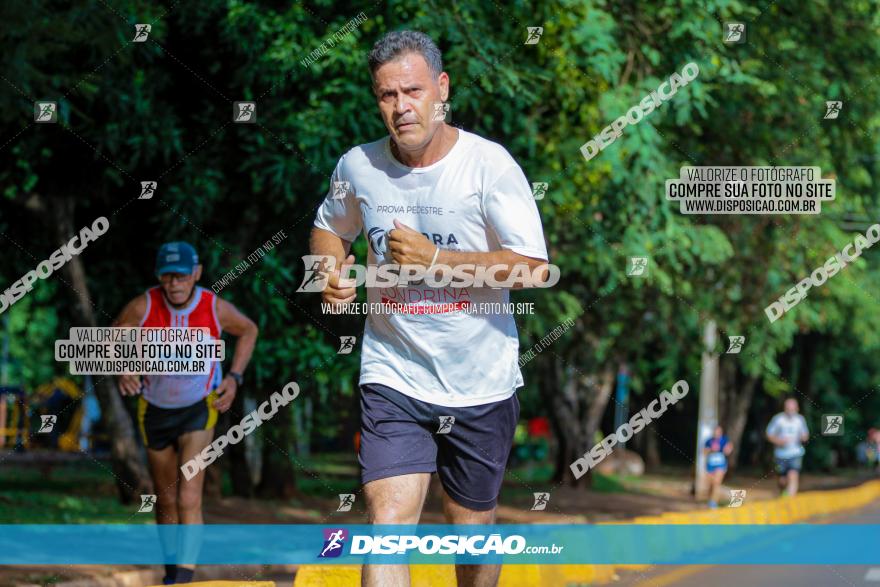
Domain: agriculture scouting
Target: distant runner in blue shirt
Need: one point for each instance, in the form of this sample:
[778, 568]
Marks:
[716, 450]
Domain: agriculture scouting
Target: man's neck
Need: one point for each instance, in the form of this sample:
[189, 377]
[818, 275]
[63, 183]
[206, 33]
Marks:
[184, 304]
[437, 148]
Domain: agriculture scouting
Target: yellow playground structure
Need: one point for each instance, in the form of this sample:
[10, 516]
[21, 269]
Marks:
[60, 397]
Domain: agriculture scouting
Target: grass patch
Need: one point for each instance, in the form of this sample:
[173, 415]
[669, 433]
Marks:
[86, 476]
[318, 487]
[532, 473]
[64, 494]
[608, 483]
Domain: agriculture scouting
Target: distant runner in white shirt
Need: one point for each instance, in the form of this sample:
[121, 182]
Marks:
[438, 384]
[788, 431]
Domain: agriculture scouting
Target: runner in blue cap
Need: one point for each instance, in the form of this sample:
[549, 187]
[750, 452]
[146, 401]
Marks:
[177, 413]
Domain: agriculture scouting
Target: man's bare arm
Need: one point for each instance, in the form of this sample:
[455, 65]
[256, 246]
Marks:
[409, 247]
[131, 315]
[323, 242]
[505, 257]
[239, 325]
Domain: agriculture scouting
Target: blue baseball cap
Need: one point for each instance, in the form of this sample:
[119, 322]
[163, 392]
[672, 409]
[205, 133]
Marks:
[176, 257]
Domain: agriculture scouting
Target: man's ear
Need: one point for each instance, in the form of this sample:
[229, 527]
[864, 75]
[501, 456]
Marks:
[443, 82]
[197, 273]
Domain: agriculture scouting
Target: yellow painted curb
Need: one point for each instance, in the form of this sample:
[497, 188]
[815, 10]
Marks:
[230, 584]
[786, 510]
[328, 576]
[511, 575]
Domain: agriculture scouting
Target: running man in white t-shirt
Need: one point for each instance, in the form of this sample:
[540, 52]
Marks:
[788, 431]
[430, 194]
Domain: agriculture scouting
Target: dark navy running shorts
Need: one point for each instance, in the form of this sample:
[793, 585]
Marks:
[402, 435]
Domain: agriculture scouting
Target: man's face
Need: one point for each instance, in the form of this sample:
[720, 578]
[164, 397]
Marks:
[791, 407]
[406, 92]
[179, 286]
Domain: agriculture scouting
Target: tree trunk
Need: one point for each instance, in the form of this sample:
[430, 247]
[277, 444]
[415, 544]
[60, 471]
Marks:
[737, 416]
[599, 401]
[239, 468]
[735, 399]
[652, 449]
[558, 392]
[237, 460]
[727, 389]
[807, 351]
[577, 402]
[132, 478]
[277, 479]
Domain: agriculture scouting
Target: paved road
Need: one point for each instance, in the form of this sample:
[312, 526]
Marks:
[771, 576]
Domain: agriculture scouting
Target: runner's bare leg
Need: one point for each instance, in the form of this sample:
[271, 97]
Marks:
[393, 500]
[471, 575]
[189, 498]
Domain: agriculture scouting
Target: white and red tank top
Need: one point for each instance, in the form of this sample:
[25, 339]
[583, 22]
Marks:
[177, 391]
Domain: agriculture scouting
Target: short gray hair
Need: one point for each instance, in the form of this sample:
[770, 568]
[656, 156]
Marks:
[395, 44]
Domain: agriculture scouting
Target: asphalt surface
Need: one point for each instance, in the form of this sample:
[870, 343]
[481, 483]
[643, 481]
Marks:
[770, 575]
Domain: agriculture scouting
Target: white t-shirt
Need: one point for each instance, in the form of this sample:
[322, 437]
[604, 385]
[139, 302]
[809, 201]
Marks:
[475, 199]
[789, 429]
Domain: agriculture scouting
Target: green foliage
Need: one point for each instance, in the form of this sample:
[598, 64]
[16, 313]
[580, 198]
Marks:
[161, 110]
[34, 495]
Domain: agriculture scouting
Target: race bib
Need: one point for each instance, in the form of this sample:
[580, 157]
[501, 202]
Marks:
[716, 458]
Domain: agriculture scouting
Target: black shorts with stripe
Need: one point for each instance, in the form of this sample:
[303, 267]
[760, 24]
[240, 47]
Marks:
[161, 427]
